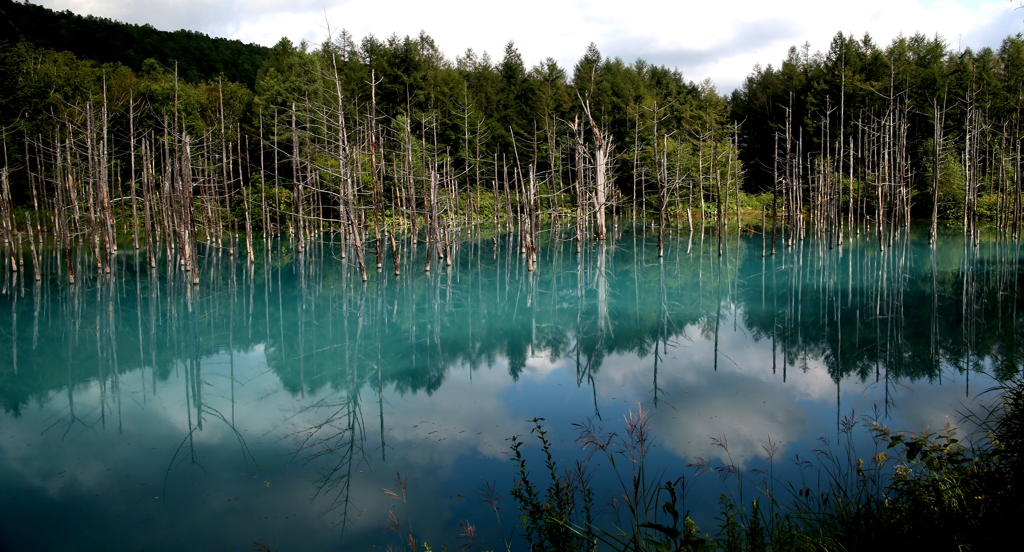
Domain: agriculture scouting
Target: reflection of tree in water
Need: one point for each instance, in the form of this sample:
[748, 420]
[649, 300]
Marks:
[337, 437]
[900, 313]
[194, 322]
[905, 312]
[87, 340]
[335, 343]
[331, 428]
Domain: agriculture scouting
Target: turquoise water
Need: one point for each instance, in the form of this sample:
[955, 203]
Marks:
[277, 401]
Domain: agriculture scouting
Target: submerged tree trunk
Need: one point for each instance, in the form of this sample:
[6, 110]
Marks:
[602, 145]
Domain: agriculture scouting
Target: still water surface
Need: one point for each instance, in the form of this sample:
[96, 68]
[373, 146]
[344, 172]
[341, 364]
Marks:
[278, 400]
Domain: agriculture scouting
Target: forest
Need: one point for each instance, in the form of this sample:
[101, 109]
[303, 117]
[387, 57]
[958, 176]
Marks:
[102, 40]
[388, 135]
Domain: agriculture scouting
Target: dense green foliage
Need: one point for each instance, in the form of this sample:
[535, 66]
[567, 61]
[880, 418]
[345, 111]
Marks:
[481, 123]
[353, 136]
[890, 114]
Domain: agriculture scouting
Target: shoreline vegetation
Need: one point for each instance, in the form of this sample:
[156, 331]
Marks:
[366, 140]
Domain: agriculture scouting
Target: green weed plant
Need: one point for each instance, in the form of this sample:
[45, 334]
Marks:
[941, 490]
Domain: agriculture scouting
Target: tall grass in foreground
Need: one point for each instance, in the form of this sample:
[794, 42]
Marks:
[933, 490]
[940, 490]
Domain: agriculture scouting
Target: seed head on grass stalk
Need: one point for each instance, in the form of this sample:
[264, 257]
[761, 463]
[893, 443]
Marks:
[638, 492]
[638, 429]
[394, 525]
[770, 448]
[489, 495]
[467, 532]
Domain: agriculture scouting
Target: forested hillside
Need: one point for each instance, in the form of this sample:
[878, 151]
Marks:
[198, 56]
[364, 138]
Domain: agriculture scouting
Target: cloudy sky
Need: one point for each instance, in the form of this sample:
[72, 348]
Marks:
[704, 39]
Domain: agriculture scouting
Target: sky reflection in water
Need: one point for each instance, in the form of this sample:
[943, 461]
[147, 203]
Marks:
[277, 402]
